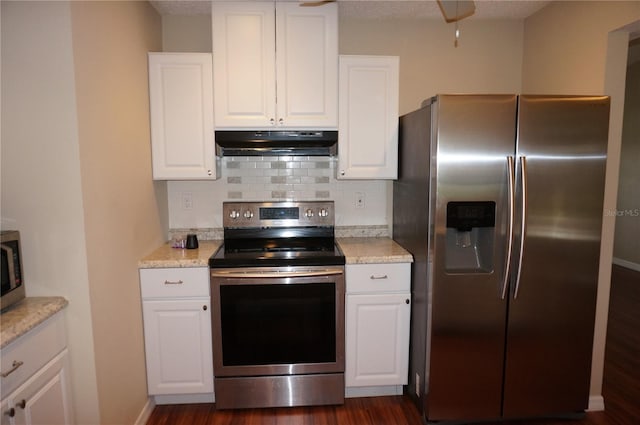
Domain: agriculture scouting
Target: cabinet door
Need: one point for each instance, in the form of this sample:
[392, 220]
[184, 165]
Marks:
[377, 339]
[307, 65]
[181, 106]
[177, 336]
[44, 398]
[368, 132]
[244, 62]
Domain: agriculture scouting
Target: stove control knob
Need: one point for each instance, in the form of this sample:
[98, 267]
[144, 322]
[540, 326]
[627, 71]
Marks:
[308, 213]
[248, 214]
[323, 213]
[234, 214]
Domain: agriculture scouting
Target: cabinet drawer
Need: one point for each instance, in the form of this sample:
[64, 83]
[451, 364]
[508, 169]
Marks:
[372, 278]
[34, 349]
[174, 282]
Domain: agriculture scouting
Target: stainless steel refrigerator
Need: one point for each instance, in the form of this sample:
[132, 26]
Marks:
[500, 201]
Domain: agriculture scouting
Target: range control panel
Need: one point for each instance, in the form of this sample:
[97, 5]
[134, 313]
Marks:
[277, 214]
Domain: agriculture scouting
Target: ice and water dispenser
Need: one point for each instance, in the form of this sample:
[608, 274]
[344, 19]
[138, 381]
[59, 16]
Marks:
[470, 236]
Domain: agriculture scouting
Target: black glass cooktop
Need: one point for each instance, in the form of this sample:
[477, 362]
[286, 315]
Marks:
[277, 253]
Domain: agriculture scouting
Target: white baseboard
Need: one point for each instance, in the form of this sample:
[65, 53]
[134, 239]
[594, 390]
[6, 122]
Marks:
[627, 264]
[185, 398]
[352, 392]
[596, 403]
[145, 414]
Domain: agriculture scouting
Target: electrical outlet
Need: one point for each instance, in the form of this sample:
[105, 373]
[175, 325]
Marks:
[187, 200]
[360, 200]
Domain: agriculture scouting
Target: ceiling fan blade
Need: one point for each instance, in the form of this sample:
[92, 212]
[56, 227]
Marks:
[455, 10]
[314, 3]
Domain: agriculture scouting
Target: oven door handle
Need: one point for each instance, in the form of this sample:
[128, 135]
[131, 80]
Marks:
[271, 273]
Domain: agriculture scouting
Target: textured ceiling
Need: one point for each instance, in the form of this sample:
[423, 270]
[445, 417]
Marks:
[485, 9]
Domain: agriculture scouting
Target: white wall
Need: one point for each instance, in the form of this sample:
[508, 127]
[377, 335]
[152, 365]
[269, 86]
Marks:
[41, 180]
[122, 220]
[76, 181]
[487, 60]
[189, 33]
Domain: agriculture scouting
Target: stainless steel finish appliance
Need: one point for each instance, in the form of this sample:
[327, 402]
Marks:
[275, 143]
[277, 288]
[11, 269]
[500, 202]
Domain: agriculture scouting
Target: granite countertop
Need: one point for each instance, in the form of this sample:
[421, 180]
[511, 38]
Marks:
[373, 250]
[166, 256]
[26, 315]
[356, 251]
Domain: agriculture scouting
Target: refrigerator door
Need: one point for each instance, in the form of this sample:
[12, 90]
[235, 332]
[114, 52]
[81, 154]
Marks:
[560, 159]
[474, 138]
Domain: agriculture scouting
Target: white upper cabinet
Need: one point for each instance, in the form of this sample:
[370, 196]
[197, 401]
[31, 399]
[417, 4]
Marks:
[307, 65]
[181, 107]
[245, 64]
[275, 65]
[368, 132]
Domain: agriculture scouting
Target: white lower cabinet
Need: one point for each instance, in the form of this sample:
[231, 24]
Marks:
[176, 312]
[378, 308]
[44, 397]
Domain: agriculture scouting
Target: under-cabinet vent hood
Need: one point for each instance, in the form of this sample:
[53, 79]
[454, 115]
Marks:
[274, 143]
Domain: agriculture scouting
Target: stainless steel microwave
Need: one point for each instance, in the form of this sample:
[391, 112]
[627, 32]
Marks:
[11, 268]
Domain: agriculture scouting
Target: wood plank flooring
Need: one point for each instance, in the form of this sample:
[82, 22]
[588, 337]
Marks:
[621, 387]
[621, 384]
[394, 410]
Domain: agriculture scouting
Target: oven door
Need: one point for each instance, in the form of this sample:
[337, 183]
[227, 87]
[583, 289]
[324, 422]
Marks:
[278, 321]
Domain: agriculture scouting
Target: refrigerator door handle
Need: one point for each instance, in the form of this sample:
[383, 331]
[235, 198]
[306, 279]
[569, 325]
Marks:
[511, 200]
[523, 221]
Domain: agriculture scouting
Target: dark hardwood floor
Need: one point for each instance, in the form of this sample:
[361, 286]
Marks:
[621, 387]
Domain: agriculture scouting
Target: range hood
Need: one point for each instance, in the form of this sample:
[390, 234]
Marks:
[275, 143]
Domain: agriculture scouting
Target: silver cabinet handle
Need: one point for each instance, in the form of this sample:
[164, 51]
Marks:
[272, 121]
[374, 277]
[280, 121]
[209, 172]
[523, 228]
[510, 198]
[173, 282]
[342, 172]
[14, 366]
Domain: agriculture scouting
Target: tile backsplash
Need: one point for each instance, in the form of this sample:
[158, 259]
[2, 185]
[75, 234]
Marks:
[198, 204]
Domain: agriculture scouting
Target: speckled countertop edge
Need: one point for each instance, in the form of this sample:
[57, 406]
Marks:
[166, 256]
[26, 315]
[373, 250]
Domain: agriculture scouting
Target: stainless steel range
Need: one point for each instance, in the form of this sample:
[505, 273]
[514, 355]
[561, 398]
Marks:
[277, 288]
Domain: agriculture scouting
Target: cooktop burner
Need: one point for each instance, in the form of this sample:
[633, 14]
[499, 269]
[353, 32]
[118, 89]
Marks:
[278, 234]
